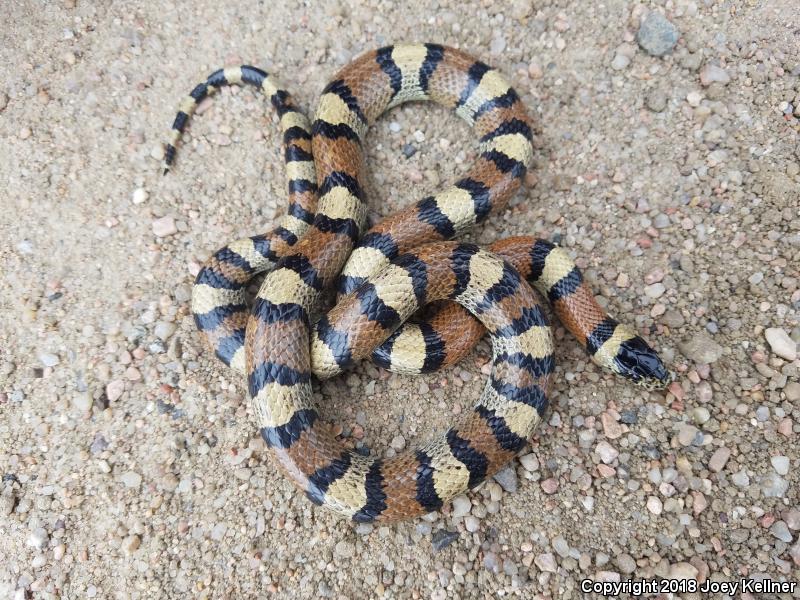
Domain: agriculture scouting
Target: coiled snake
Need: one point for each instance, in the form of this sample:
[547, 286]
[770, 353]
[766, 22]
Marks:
[385, 275]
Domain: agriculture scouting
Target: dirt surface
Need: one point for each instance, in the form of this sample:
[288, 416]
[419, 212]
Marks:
[131, 465]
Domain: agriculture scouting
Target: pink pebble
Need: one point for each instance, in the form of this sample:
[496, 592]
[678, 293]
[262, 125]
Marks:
[549, 486]
[676, 390]
[654, 276]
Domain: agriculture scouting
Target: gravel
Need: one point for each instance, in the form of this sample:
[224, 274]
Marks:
[130, 458]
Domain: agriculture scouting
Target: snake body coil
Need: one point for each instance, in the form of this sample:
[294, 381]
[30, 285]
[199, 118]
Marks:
[397, 267]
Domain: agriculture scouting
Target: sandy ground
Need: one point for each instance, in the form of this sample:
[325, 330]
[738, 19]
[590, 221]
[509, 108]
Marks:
[131, 467]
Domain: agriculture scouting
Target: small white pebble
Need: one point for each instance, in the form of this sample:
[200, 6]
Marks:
[471, 524]
[654, 505]
[461, 506]
[131, 479]
[694, 98]
[38, 538]
[164, 226]
[780, 464]
[139, 195]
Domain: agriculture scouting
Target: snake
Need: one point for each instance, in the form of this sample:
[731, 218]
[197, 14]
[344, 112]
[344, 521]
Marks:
[384, 275]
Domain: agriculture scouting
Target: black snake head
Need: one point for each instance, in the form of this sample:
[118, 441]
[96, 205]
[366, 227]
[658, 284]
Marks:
[637, 361]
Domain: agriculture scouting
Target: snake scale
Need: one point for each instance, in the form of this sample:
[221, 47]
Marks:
[385, 275]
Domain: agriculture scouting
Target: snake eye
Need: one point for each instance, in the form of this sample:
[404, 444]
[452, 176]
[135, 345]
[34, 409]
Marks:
[639, 362]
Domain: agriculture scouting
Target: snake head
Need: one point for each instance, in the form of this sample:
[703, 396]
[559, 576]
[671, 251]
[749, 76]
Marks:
[637, 361]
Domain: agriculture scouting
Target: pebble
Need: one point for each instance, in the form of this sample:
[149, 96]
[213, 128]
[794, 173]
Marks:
[38, 538]
[114, 390]
[490, 562]
[686, 434]
[82, 401]
[620, 61]
[719, 459]
[364, 528]
[606, 452]
[625, 563]
[546, 562]
[58, 551]
[344, 549]
[164, 226]
[461, 506]
[654, 505]
[713, 74]
[611, 428]
[741, 479]
[497, 45]
[471, 523]
[131, 544]
[780, 464]
[655, 291]
[561, 546]
[661, 221]
[701, 349]
[99, 443]
[657, 36]
[549, 486]
[48, 359]
[164, 330]
[131, 479]
[442, 538]
[699, 503]
[507, 478]
[780, 343]
[774, 486]
[656, 100]
[781, 531]
[694, 98]
[139, 196]
[683, 571]
[701, 415]
[529, 462]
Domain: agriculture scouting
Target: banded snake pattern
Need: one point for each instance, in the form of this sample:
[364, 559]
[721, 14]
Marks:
[385, 275]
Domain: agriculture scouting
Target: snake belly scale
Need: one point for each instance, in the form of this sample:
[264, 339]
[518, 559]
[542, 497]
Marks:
[385, 275]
